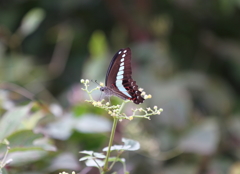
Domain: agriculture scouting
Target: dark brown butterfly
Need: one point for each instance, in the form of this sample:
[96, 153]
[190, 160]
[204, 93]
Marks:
[119, 80]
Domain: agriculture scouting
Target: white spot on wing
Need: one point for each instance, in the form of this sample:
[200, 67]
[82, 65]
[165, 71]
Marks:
[124, 51]
[122, 64]
[122, 59]
[119, 77]
[123, 55]
[123, 90]
[120, 73]
[119, 52]
[118, 82]
[121, 68]
[121, 87]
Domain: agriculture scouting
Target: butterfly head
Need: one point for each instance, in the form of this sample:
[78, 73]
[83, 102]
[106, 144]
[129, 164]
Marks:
[106, 91]
[102, 88]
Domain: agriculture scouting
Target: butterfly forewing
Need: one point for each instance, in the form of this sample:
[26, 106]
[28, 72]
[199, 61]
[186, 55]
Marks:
[119, 77]
[121, 60]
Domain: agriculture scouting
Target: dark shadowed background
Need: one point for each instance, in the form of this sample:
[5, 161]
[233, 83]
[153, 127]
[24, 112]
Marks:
[186, 53]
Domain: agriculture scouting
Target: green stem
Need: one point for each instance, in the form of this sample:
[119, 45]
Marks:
[115, 120]
[117, 159]
[121, 107]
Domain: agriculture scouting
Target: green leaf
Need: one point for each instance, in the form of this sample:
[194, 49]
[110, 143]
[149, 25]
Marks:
[94, 163]
[26, 140]
[23, 157]
[93, 154]
[90, 123]
[130, 145]
[4, 171]
[117, 148]
[12, 120]
[60, 129]
[31, 21]
[45, 143]
[23, 138]
[98, 44]
[85, 158]
[88, 152]
[134, 145]
[31, 122]
[66, 161]
[90, 158]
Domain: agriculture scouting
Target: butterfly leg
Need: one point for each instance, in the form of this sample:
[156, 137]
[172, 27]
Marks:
[109, 100]
[101, 97]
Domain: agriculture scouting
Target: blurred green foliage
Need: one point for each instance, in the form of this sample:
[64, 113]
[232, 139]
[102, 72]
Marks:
[184, 52]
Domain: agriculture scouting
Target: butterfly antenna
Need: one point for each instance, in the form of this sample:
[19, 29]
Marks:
[95, 81]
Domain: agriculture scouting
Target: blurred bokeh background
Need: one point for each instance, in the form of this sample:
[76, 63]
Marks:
[186, 53]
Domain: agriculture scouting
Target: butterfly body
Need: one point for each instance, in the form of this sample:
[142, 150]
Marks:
[119, 80]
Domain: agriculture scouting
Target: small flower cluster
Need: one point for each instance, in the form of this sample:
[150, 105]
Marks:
[145, 96]
[147, 112]
[115, 110]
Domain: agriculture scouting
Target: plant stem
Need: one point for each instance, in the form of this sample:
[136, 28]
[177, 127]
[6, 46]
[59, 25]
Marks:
[122, 105]
[115, 120]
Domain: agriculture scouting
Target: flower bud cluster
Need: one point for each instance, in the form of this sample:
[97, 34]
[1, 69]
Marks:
[145, 96]
[148, 112]
[84, 81]
[114, 110]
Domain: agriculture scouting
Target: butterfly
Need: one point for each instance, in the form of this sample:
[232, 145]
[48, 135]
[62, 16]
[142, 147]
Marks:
[119, 80]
